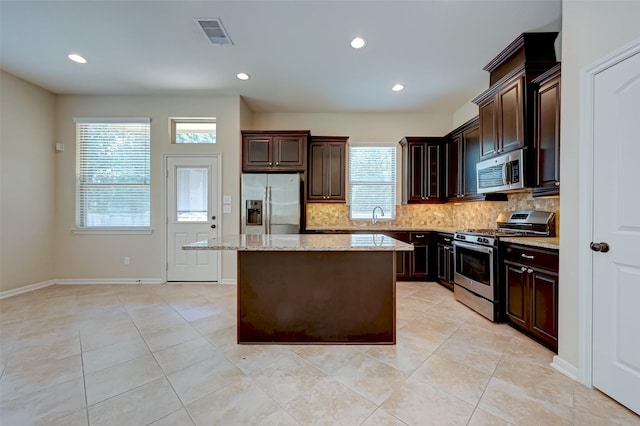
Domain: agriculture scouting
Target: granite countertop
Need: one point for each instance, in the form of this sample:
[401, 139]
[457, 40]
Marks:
[385, 228]
[543, 242]
[302, 242]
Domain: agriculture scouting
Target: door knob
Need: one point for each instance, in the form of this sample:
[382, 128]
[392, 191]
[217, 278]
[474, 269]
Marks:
[601, 247]
[213, 226]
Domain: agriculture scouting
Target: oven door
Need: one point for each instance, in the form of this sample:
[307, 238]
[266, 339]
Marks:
[474, 268]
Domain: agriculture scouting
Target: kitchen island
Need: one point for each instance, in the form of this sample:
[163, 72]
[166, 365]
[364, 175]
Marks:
[295, 288]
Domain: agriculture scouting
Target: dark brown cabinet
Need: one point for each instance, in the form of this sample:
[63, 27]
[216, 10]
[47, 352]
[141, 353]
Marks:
[327, 164]
[506, 109]
[461, 156]
[502, 119]
[274, 151]
[547, 133]
[421, 169]
[531, 286]
[444, 260]
[421, 258]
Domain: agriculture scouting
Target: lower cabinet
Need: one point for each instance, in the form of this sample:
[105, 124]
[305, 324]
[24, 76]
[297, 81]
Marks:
[420, 259]
[531, 287]
[445, 259]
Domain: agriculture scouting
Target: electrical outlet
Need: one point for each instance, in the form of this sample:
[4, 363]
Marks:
[127, 260]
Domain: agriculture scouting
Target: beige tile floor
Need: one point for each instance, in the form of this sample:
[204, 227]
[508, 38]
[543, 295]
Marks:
[166, 355]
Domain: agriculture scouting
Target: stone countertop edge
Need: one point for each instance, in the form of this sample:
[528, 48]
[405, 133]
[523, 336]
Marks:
[552, 243]
[302, 242]
[445, 229]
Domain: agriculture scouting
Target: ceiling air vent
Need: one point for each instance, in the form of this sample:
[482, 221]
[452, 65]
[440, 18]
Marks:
[214, 30]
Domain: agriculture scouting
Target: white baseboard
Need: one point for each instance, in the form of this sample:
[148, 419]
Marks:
[26, 289]
[109, 281]
[565, 367]
[231, 281]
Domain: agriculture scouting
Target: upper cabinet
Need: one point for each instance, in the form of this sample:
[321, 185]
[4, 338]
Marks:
[462, 153]
[274, 151]
[547, 133]
[327, 165]
[506, 109]
[421, 166]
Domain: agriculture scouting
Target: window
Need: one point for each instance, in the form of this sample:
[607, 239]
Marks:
[193, 130]
[372, 181]
[113, 173]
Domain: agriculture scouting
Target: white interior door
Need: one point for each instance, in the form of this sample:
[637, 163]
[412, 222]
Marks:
[616, 221]
[192, 215]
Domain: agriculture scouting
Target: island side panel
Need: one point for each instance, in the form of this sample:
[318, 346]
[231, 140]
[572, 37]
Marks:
[316, 297]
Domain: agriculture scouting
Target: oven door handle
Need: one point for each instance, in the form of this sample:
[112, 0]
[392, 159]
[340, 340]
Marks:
[474, 247]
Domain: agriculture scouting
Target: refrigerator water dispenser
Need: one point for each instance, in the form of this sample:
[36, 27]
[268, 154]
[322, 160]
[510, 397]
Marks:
[254, 212]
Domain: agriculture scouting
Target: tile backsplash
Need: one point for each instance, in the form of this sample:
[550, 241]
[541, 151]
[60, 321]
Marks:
[481, 214]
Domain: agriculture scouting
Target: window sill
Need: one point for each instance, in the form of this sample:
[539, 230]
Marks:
[113, 231]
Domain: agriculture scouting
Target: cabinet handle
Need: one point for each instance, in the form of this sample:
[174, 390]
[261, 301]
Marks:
[523, 269]
[557, 184]
[527, 256]
[277, 163]
[447, 239]
[419, 236]
[271, 164]
[529, 270]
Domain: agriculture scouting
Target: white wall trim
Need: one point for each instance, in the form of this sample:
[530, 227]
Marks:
[26, 289]
[585, 207]
[229, 281]
[99, 281]
[564, 367]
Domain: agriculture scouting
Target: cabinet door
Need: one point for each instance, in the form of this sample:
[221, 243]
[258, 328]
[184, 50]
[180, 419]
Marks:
[417, 180]
[454, 167]
[471, 156]
[289, 152]
[402, 265]
[256, 152]
[335, 171]
[547, 140]
[488, 129]
[442, 260]
[317, 172]
[544, 307]
[510, 116]
[420, 261]
[516, 297]
[432, 174]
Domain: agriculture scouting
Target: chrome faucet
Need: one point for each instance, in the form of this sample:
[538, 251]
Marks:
[374, 218]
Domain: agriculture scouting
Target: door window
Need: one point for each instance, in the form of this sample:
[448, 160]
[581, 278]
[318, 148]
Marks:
[192, 194]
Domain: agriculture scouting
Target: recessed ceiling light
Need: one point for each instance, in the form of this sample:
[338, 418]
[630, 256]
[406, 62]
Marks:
[243, 76]
[398, 88]
[77, 58]
[358, 42]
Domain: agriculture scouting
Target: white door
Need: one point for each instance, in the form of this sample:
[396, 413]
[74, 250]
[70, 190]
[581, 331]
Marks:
[616, 222]
[192, 215]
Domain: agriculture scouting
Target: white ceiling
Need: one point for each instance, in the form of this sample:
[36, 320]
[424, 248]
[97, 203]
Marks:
[297, 52]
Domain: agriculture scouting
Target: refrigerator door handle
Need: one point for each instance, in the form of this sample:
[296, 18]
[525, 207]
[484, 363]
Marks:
[268, 218]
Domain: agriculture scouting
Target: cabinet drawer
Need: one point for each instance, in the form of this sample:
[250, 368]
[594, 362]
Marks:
[418, 237]
[531, 256]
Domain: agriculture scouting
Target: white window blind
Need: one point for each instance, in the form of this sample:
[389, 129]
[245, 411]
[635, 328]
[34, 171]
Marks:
[372, 181]
[113, 172]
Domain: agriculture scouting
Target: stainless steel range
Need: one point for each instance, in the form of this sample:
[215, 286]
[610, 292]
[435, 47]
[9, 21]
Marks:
[476, 258]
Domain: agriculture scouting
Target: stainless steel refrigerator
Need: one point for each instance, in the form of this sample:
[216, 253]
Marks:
[270, 203]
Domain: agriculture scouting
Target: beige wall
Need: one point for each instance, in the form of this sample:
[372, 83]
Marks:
[97, 257]
[27, 183]
[590, 31]
[363, 127]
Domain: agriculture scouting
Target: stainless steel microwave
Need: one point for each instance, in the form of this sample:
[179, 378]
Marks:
[502, 173]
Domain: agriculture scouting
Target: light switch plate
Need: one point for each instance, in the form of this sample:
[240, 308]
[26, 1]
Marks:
[226, 200]
[226, 209]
